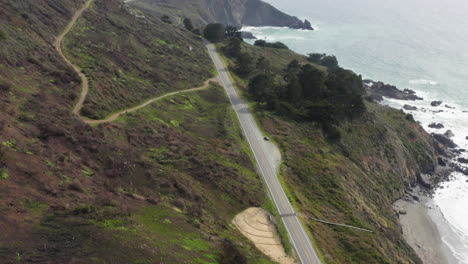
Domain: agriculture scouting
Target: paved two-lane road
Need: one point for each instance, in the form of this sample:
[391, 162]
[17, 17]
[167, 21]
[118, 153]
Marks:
[268, 160]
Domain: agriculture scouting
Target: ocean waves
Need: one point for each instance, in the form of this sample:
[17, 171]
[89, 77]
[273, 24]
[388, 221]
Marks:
[423, 82]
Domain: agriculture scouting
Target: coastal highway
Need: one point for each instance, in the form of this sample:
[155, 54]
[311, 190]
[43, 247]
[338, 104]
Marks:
[268, 160]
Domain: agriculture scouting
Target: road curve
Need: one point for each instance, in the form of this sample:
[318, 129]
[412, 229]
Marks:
[85, 82]
[267, 166]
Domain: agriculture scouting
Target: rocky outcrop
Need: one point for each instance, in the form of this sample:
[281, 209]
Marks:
[436, 125]
[229, 12]
[378, 90]
[444, 140]
[449, 134]
[247, 35]
[259, 13]
[410, 107]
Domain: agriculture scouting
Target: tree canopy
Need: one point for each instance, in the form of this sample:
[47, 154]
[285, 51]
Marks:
[309, 93]
[215, 32]
[323, 59]
[276, 45]
[188, 24]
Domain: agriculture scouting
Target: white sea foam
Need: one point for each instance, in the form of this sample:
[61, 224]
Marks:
[276, 33]
[452, 196]
[252, 29]
[423, 81]
[451, 200]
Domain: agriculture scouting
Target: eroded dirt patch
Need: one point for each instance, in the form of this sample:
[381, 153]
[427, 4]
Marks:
[256, 225]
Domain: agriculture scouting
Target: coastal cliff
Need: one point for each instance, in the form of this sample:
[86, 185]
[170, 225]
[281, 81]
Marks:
[229, 12]
[351, 172]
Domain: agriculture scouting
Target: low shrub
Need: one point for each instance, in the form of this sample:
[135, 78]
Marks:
[5, 86]
[4, 174]
[3, 35]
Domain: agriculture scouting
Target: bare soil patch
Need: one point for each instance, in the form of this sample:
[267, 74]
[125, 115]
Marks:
[256, 224]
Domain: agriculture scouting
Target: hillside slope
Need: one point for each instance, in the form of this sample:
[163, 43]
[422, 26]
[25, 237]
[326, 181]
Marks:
[163, 184]
[129, 59]
[229, 12]
[351, 178]
[160, 184]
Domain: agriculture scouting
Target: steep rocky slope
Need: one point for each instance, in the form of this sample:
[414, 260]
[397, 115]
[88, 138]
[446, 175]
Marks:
[229, 12]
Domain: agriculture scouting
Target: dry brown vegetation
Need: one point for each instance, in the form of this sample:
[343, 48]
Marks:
[160, 184]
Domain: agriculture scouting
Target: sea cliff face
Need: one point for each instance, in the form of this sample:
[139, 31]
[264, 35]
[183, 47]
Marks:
[230, 12]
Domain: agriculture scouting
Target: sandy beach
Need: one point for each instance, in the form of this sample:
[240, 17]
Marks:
[420, 222]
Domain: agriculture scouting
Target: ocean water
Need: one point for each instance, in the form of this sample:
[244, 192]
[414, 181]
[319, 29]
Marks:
[416, 44]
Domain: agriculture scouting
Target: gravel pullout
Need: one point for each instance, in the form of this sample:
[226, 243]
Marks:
[255, 224]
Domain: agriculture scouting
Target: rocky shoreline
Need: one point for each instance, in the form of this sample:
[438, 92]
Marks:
[419, 217]
[378, 90]
[450, 158]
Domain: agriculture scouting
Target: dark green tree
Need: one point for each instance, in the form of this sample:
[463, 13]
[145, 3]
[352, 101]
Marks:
[312, 81]
[346, 91]
[279, 45]
[329, 62]
[233, 48]
[276, 45]
[294, 90]
[322, 111]
[260, 43]
[215, 32]
[315, 57]
[323, 59]
[188, 24]
[344, 82]
[245, 64]
[292, 70]
[262, 65]
[232, 32]
[166, 19]
[262, 89]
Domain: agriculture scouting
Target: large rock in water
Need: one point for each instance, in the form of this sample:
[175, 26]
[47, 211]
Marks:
[436, 125]
[410, 107]
[247, 35]
[378, 90]
[444, 140]
[449, 134]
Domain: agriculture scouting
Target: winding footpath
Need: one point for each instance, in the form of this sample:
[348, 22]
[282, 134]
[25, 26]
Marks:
[58, 47]
[267, 155]
[85, 82]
